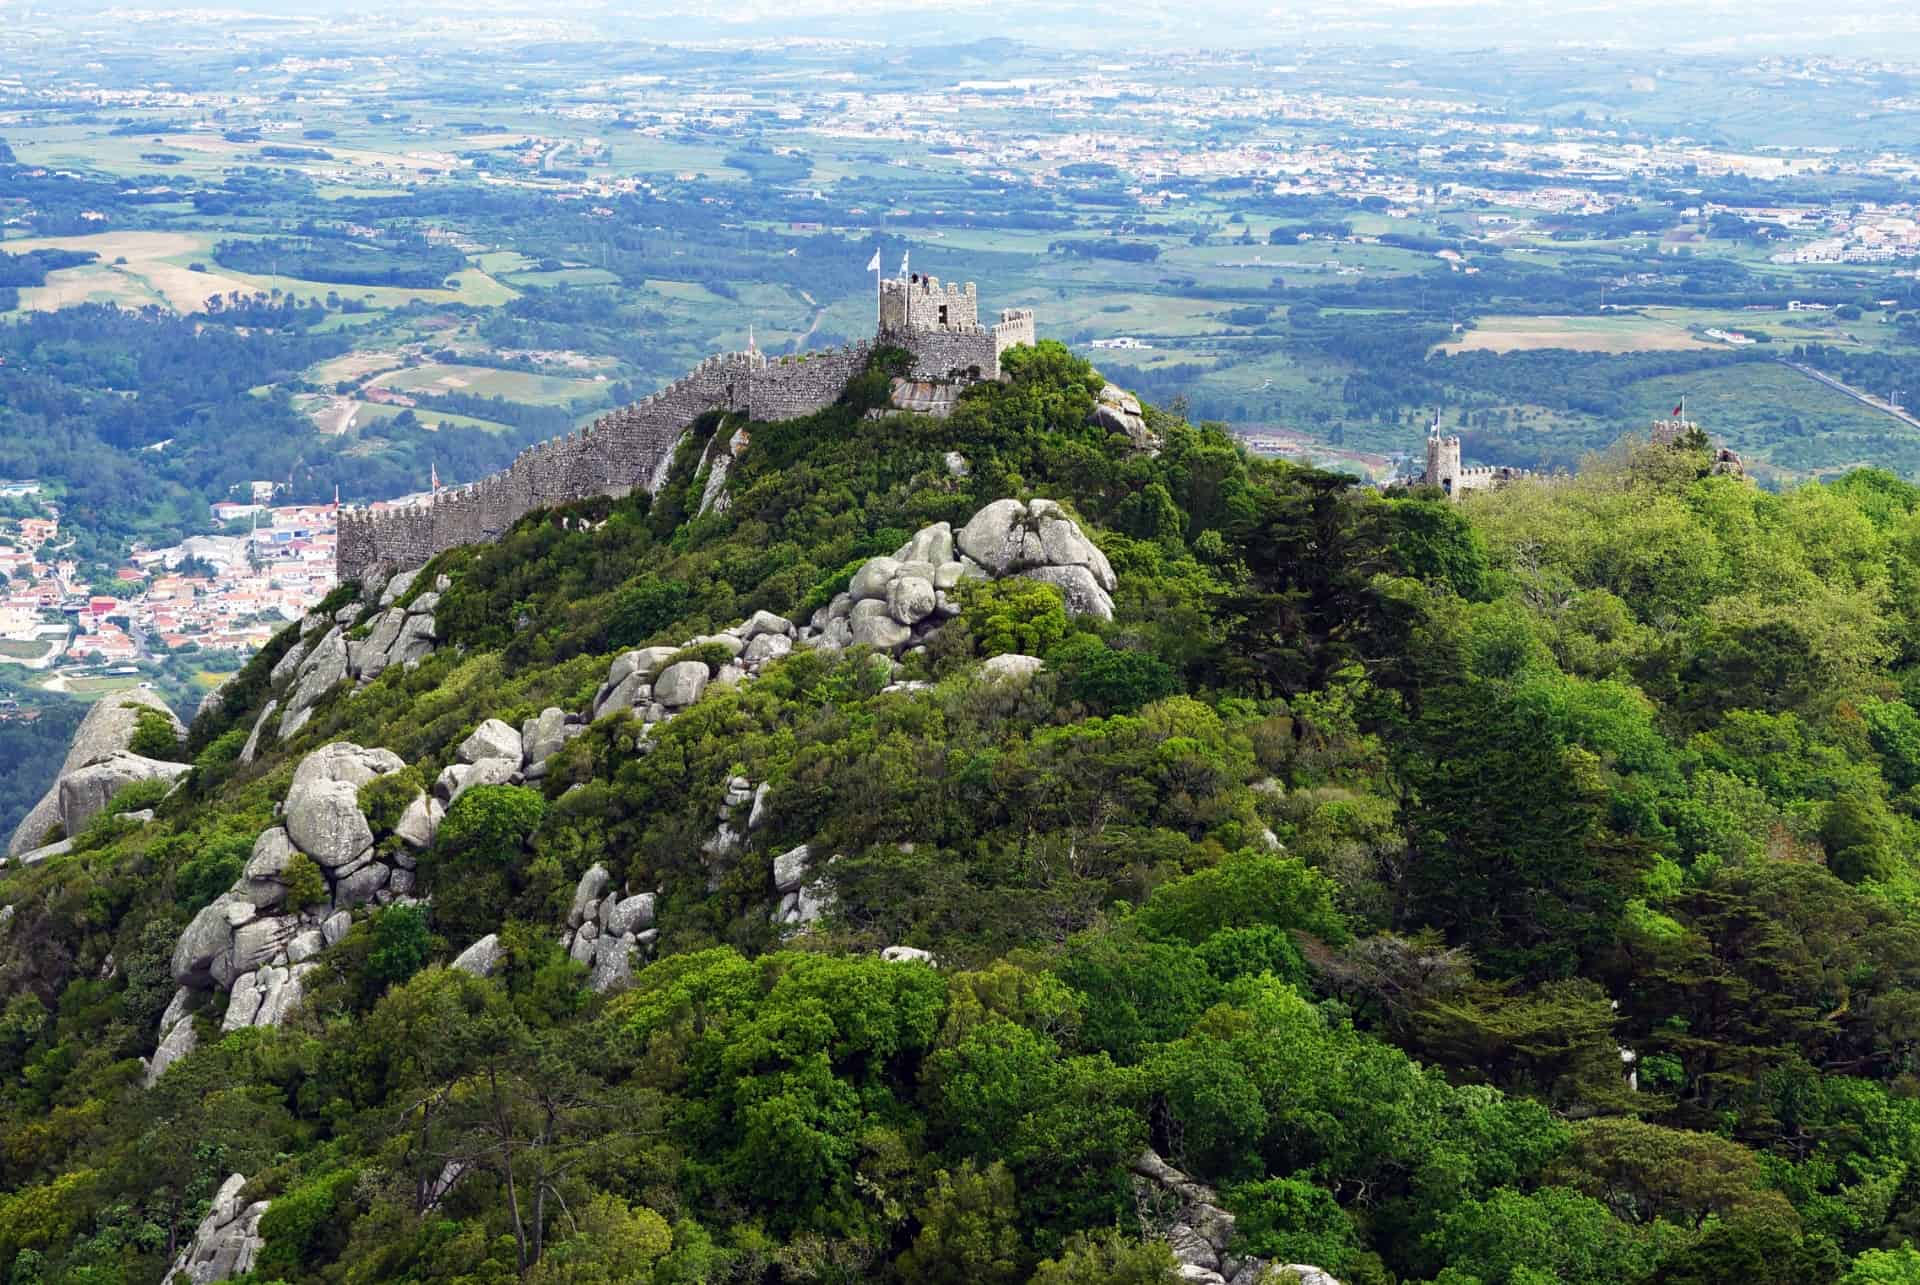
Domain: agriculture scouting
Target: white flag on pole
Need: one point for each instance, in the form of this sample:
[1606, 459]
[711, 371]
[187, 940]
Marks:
[875, 265]
[903, 262]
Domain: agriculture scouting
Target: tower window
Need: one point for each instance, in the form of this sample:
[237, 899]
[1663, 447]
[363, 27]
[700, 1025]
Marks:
[943, 314]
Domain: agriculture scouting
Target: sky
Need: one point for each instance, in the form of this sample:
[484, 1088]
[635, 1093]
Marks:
[1886, 29]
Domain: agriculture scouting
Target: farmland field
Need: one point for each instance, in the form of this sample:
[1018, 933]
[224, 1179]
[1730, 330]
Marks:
[483, 381]
[1615, 334]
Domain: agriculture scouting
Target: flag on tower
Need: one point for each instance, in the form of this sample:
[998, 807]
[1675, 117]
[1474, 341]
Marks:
[875, 265]
[1677, 409]
[433, 474]
[904, 256]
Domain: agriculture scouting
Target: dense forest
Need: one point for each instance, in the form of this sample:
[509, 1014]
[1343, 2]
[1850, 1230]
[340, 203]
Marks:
[1496, 894]
[408, 261]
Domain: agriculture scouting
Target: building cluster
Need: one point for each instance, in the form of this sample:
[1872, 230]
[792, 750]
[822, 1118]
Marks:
[208, 593]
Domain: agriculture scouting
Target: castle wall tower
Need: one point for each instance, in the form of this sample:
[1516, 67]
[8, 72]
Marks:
[1443, 461]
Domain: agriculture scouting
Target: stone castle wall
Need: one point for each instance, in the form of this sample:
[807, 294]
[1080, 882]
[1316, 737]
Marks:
[631, 448]
[618, 453]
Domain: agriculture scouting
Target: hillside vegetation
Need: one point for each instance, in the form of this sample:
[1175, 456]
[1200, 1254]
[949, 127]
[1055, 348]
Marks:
[1496, 894]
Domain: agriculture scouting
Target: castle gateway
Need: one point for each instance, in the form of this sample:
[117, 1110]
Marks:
[632, 448]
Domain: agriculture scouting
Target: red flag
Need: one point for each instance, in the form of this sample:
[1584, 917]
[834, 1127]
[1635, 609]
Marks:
[1679, 408]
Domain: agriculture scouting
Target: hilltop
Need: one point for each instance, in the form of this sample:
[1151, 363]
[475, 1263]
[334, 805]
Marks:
[998, 847]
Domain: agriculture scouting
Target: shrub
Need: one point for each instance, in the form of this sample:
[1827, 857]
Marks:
[1014, 615]
[305, 885]
[212, 870]
[489, 823]
[135, 795]
[385, 799]
[643, 608]
[401, 944]
[713, 655]
[1118, 682]
[153, 736]
[307, 1222]
[1290, 1220]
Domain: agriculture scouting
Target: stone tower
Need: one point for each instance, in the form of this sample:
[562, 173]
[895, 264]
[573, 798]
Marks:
[1443, 459]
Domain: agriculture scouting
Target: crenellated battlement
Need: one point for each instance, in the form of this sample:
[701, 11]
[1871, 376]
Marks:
[631, 448]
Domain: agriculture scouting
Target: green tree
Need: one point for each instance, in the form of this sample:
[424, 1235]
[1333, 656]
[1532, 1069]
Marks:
[969, 1230]
[1108, 1259]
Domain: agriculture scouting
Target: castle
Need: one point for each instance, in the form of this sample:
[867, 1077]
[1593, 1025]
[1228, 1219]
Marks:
[633, 447]
[1445, 471]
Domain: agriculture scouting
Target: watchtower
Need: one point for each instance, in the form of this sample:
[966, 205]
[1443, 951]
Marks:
[921, 303]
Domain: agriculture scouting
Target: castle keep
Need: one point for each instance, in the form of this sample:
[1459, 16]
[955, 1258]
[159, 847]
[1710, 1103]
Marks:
[632, 448]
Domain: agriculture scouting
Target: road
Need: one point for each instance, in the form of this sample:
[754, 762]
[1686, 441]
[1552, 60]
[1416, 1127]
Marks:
[1864, 398]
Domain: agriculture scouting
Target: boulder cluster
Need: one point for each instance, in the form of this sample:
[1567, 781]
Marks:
[98, 765]
[1200, 1233]
[1118, 411]
[254, 945]
[897, 602]
[227, 1240]
[605, 927]
[251, 941]
[349, 644]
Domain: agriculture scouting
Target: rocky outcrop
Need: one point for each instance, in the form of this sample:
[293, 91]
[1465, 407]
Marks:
[253, 944]
[1119, 411]
[1187, 1213]
[177, 1034]
[106, 732]
[605, 929]
[898, 602]
[482, 958]
[800, 897]
[1038, 541]
[326, 656]
[226, 1242]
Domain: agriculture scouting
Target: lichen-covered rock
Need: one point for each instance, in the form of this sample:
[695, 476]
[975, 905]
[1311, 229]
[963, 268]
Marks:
[628, 915]
[1119, 411]
[227, 1241]
[493, 739]
[397, 587]
[872, 625]
[345, 762]
[482, 958]
[251, 749]
[1080, 591]
[323, 669]
[765, 622]
[325, 822]
[790, 868]
[419, 824]
[929, 544]
[680, 685]
[612, 964]
[107, 730]
[85, 792]
[907, 955]
[1011, 665]
[910, 598]
[542, 735]
[766, 647]
[288, 665]
[586, 894]
[203, 940]
[871, 580]
[178, 1037]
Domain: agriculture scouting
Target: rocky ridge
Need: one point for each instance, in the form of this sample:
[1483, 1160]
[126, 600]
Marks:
[253, 945]
[98, 764]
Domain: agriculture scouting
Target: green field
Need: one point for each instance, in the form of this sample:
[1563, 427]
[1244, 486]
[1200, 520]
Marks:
[483, 381]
